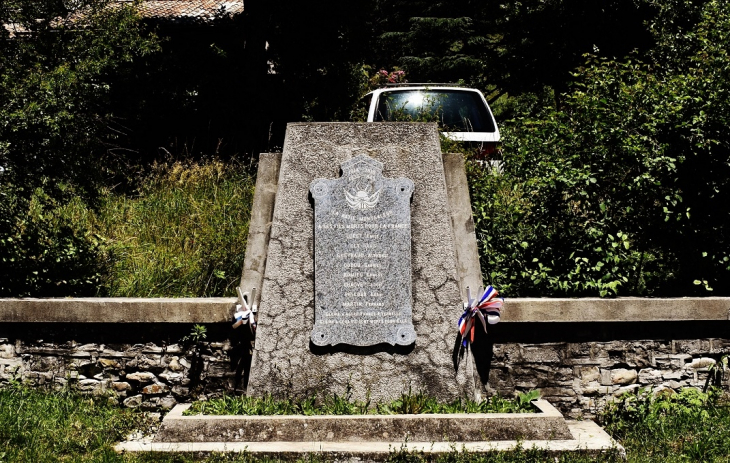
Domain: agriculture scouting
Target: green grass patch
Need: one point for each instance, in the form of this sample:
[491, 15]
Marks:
[671, 427]
[183, 234]
[49, 426]
[407, 403]
[64, 426]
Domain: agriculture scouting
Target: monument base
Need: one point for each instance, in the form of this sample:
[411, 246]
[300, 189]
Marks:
[285, 361]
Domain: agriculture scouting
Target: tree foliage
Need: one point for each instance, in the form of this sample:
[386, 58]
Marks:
[614, 116]
[624, 188]
[56, 64]
[509, 47]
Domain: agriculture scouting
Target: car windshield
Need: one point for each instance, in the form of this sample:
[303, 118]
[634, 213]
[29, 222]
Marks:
[454, 110]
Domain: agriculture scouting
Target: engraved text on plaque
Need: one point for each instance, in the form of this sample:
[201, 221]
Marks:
[362, 257]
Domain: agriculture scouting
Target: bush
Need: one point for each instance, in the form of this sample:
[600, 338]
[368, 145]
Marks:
[671, 426]
[624, 187]
[43, 253]
[57, 63]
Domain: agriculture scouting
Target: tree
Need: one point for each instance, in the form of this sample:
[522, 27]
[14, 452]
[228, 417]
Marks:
[57, 62]
[624, 188]
[512, 47]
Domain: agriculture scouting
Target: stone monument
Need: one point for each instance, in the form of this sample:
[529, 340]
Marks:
[360, 287]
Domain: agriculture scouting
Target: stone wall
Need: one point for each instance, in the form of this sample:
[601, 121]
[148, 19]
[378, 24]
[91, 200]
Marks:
[594, 363]
[148, 366]
[579, 378]
[145, 366]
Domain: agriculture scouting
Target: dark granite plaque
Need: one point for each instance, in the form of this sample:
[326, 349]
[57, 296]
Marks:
[362, 257]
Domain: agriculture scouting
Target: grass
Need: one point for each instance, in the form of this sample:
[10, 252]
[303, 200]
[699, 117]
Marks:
[63, 426]
[672, 427]
[407, 403]
[49, 426]
[183, 234]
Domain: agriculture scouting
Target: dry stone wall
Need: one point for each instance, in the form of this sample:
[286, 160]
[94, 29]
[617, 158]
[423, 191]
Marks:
[137, 371]
[578, 378]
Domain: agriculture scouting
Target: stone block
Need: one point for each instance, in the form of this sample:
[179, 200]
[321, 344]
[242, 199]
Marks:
[649, 376]
[112, 354]
[180, 391]
[88, 348]
[526, 385]
[121, 386]
[87, 385]
[595, 389]
[540, 355]
[151, 404]
[702, 362]
[110, 363]
[133, 402]
[557, 392]
[588, 374]
[679, 362]
[623, 376]
[7, 351]
[171, 377]
[155, 389]
[606, 379]
[672, 375]
[174, 364]
[46, 364]
[693, 346]
[218, 371]
[10, 367]
[166, 403]
[151, 348]
[150, 363]
[623, 390]
[141, 376]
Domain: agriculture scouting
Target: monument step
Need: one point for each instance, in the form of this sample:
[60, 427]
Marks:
[546, 423]
[585, 437]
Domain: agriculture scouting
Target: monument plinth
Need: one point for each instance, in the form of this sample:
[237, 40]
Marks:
[319, 272]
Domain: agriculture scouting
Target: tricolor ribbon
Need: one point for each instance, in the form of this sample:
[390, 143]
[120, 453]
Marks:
[245, 309]
[487, 309]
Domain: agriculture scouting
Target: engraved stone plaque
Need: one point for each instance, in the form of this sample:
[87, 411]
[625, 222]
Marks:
[362, 257]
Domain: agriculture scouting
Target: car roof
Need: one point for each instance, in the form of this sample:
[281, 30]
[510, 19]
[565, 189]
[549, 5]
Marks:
[422, 87]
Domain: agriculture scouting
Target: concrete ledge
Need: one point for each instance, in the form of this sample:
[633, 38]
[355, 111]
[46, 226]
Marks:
[586, 437]
[625, 309]
[547, 423]
[118, 310]
[219, 310]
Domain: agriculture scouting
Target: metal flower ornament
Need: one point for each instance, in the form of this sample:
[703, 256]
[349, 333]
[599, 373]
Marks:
[487, 308]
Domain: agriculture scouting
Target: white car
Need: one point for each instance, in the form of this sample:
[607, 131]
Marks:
[462, 113]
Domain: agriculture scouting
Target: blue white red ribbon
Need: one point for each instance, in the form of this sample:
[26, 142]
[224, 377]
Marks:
[487, 308]
[245, 310]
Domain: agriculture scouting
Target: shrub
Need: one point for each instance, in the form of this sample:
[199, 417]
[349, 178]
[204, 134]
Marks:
[57, 63]
[624, 187]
